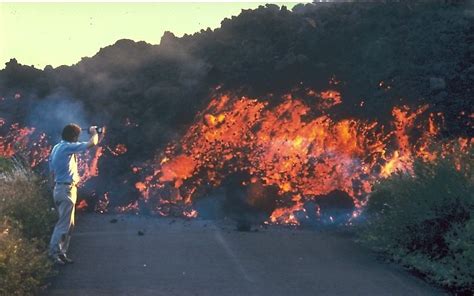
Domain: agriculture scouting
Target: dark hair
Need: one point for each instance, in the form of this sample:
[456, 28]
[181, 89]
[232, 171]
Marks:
[71, 132]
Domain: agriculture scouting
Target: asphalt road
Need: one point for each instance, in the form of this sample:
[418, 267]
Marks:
[161, 256]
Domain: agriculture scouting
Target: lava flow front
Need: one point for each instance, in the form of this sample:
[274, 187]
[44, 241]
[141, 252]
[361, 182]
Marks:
[287, 157]
[290, 144]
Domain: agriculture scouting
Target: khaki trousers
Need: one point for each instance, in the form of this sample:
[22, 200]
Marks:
[65, 197]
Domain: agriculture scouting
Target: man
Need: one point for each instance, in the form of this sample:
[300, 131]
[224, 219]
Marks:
[63, 166]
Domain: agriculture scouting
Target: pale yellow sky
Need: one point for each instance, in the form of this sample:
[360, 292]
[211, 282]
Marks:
[56, 34]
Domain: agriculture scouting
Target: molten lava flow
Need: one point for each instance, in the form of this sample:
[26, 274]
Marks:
[287, 145]
[102, 204]
[118, 150]
[88, 165]
[287, 215]
[290, 148]
[82, 205]
[177, 170]
[133, 207]
[32, 146]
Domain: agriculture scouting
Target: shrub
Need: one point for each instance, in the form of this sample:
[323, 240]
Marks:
[26, 221]
[6, 166]
[425, 220]
[23, 266]
[25, 203]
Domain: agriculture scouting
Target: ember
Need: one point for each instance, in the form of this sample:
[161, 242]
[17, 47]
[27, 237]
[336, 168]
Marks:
[82, 205]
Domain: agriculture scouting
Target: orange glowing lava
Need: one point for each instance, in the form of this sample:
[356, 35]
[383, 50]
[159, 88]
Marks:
[285, 145]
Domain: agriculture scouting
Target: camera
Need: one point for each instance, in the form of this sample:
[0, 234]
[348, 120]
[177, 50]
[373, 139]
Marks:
[99, 130]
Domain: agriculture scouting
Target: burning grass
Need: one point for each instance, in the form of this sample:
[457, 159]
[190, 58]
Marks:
[25, 226]
[425, 220]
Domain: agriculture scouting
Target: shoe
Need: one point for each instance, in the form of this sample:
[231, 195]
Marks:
[57, 261]
[65, 259]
